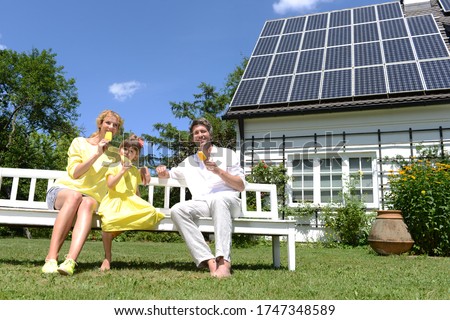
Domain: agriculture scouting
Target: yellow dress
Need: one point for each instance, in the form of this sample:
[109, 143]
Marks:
[122, 209]
[92, 183]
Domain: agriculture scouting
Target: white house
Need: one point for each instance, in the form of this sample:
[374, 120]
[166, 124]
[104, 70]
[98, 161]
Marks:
[332, 94]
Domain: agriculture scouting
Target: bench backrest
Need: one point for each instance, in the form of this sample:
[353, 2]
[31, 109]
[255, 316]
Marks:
[265, 194]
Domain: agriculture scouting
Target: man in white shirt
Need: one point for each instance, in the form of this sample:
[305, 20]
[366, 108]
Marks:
[215, 184]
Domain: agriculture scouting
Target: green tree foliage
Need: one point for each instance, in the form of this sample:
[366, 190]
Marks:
[37, 117]
[173, 144]
[37, 110]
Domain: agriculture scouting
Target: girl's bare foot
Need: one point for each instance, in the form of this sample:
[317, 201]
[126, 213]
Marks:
[106, 265]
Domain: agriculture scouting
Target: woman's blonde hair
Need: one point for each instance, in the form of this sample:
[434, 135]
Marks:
[102, 116]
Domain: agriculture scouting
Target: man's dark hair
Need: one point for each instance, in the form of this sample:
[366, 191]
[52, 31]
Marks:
[203, 122]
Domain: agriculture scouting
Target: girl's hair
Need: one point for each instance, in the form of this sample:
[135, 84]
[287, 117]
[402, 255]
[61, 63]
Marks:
[133, 141]
[102, 116]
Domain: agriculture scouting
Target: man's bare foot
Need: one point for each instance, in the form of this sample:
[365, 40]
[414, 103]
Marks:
[212, 266]
[223, 268]
[106, 265]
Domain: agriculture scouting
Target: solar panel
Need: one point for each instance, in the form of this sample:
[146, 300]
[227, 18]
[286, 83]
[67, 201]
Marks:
[277, 90]
[318, 21]
[445, 4]
[339, 36]
[339, 58]
[421, 25]
[371, 50]
[272, 28]
[294, 25]
[369, 81]
[436, 74]
[290, 42]
[389, 11]
[248, 92]
[283, 64]
[337, 83]
[429, 47]
[306, 87]
[310, 60]
[314, 39]
[365, 14]
[398, 50]
[391, 29]
[257, 67]
[366, 32]
[340, 18]
[367, 54]
[404, 77]
[266, 46]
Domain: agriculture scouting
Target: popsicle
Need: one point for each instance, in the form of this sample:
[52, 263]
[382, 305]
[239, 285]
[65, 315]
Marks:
[201, 155]
[125, 161]
[108, 135]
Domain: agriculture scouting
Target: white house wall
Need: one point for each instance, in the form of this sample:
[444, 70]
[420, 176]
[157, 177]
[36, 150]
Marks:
[361, 137]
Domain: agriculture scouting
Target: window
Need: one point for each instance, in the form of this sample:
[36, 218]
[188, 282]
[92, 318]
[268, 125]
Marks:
[302, 181]
[361, 170]
[320, 180]
[330, 179]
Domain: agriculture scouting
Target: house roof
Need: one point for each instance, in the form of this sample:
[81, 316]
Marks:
[417, 98]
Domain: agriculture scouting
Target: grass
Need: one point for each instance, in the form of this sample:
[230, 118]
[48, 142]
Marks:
[164, 271]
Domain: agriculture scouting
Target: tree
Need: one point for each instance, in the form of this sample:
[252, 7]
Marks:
[37, 105]
[173, 144]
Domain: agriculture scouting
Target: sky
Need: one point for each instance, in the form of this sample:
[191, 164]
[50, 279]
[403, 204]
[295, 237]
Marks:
[137, 56]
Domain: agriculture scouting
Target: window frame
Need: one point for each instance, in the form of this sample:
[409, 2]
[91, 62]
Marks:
[368, 172]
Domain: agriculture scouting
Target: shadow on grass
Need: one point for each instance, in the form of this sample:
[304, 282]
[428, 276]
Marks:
[141, 265]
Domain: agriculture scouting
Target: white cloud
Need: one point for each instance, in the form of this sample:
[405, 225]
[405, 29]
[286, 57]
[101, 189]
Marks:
[284, 6]
[124, 90]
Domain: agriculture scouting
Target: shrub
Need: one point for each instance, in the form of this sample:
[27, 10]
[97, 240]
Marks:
[348, 220]
[420, 189]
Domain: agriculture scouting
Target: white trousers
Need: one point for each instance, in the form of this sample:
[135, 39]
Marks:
[221, 207]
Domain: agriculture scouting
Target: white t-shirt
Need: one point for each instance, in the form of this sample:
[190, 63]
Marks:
[202, 182]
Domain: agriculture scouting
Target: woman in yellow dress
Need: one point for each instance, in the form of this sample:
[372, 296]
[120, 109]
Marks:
[77, 194]
[122, 208]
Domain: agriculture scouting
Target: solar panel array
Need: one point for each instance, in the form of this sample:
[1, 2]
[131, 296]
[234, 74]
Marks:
[355, 52]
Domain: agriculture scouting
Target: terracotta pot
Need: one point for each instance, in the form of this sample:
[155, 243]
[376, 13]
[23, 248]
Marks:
[389, 233]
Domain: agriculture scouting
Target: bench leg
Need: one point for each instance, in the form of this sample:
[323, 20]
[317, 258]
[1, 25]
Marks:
[291, 251]
[276, 251]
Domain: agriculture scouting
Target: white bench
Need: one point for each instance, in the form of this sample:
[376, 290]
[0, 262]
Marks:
[31, 213]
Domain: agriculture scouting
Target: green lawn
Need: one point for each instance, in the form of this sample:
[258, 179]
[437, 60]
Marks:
[163, 271]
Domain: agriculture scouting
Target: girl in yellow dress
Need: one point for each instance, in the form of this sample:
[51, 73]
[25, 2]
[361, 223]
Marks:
[122, 208]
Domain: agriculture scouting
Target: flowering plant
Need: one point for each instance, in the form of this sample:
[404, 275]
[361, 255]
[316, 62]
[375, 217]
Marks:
[420, 188]
[270, 174]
